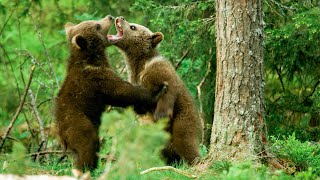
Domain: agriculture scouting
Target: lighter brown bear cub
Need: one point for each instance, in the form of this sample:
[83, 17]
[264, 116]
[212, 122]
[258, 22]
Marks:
[89, 86]
[151, 70]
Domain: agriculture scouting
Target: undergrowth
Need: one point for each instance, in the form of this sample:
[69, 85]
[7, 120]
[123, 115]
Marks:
[129, 147]
[300, 156]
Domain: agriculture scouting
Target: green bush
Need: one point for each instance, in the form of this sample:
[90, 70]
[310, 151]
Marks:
[301, 156]
[17, 160]
[135, 147]
[245, 171]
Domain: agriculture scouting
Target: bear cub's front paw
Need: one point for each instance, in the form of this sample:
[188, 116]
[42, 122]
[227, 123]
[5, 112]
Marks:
[162, 112]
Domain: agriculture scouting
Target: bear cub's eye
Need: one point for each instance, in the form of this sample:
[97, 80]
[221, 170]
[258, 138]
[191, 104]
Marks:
[133, 28]
[98, 26]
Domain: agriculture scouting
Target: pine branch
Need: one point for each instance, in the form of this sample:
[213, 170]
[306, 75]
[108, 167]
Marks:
[312, 92]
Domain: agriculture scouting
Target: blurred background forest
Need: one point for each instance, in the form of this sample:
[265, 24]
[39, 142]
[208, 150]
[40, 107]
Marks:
[32, 33]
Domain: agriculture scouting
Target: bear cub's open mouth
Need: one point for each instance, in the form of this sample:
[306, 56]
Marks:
[115, 38]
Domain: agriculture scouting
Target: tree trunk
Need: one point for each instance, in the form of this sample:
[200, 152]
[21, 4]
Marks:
[239, 129]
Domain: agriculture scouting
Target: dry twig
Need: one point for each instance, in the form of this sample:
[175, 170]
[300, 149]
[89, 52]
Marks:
[29, 126]
[312, 92]
[104, 175]
[52, 74]
[11, 68]
[39, 149]
[33, 61]
[169, 168]
[201, 83]
[14, 139]
[182, 58]
[6, 22]
[4, 137]
[40, 122]
[46, 152]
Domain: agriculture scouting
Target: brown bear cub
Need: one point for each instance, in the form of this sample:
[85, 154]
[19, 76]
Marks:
[89, 86]
[151, 70]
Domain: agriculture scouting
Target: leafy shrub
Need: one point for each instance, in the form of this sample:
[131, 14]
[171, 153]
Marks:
[307, 174]
[17, 160]
[245, 171]
[135, 147]
[301, 156]
[221, 166]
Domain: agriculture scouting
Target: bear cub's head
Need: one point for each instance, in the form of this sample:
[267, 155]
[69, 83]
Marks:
[90, 35]
[135, 37]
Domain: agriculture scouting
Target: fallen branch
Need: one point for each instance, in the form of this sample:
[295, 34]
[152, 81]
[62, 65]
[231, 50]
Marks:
[169, 168]
[4, 137]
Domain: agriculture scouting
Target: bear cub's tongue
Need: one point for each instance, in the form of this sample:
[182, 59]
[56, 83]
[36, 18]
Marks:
[113, 38]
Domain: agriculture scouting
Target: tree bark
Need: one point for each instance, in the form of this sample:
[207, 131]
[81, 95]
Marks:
[239, 128]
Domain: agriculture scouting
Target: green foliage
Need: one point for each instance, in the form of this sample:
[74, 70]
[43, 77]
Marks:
[294, 46]
[203, 150]
[302, 156]
[18, 161]
[221, 166]
[248, 170]
[245, 171]
[137, 146]
[309, 174]
[292, 61]
[292, 54]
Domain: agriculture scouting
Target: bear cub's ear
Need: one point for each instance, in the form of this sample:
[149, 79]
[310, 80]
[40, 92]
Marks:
[79, 41]
[156, 37]
[68, 25]
[68, 28]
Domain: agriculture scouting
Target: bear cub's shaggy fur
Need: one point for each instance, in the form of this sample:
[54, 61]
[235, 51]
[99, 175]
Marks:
[89, 86]
[151, 70]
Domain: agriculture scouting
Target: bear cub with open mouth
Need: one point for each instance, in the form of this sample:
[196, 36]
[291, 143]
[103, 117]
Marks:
[151, 70]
